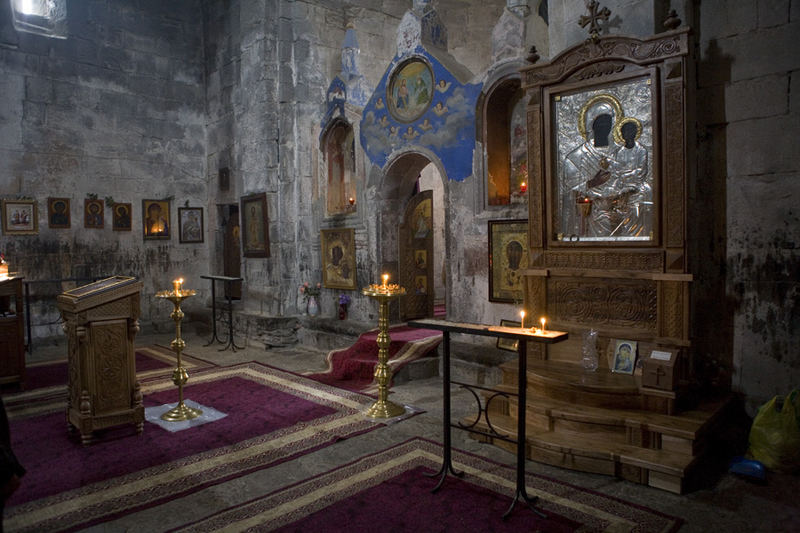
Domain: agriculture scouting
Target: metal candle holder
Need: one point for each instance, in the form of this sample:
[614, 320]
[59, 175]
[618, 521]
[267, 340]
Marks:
[383, 408]
[179, 375]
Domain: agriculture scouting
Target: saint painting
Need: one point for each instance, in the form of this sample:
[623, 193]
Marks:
[58, 215]
[190, 221]
[121, 217]
[93, 214]
[255, 231]
[339, 258]
[155, 215]
[605, 178]
[508, 258]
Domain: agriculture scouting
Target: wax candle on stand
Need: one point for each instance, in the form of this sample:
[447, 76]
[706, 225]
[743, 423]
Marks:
[542, 320]
[176, 285]
[385, 279]
[522, 319]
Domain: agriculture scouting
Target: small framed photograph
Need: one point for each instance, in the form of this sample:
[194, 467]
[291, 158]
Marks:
[20, 217]
[155, 219]
[190, 224]
[93, 213]
[508, 258]
[255, 225]
[58, 215]
[624, 360]
[121, 217]
[509, 344]
[338, 258]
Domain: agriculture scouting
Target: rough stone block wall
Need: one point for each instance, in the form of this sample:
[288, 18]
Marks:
[748, 187]
[118, 110]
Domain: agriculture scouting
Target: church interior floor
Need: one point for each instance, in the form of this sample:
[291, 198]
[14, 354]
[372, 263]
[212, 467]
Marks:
[730, 503]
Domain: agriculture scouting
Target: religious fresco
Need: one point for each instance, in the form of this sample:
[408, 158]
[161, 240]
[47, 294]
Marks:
[349, 86]
[335, 100]
[435, 111]
[409, 92]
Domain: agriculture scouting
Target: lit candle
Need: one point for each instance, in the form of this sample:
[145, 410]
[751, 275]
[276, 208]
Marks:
[385, 279]
[523, 187]
[522, 319]
[542, 320]
[176, 285]
[351, 200]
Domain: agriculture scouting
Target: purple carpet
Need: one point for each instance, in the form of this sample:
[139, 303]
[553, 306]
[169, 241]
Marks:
[273, 416]
[388, 491]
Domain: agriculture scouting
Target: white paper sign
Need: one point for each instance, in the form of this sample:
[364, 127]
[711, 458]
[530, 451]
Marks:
[661, 356]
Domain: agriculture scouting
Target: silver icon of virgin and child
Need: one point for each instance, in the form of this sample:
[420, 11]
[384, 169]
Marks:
[603, 156]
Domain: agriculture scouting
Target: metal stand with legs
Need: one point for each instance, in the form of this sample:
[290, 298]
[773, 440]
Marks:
[214, 338]
[523, 337]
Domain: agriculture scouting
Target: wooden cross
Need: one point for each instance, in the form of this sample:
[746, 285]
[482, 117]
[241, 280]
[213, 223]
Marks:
[594, 17]
[659, 372]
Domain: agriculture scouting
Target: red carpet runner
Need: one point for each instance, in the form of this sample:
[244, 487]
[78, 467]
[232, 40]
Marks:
[353, 368]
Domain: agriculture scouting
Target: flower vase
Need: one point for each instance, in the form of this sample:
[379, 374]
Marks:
[312, 306]
[342, 311]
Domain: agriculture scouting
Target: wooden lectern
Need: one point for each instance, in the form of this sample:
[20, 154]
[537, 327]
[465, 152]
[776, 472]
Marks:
[101, 322]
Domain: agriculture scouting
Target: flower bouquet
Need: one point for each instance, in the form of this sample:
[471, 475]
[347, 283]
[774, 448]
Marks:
[344, 301]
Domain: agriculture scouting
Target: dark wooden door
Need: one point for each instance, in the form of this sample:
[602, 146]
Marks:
[231, 252]
[415, 261]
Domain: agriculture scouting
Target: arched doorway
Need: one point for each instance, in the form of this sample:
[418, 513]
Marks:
[430, 180]
[414, 187]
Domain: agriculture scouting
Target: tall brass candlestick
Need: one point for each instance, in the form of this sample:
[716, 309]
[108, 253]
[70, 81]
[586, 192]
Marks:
[383, 408]
[179, 375]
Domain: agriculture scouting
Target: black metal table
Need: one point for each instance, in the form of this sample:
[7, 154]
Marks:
[230, 342]
[523, 336]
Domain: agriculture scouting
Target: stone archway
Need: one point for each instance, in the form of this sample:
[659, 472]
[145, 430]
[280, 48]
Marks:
[397, 190]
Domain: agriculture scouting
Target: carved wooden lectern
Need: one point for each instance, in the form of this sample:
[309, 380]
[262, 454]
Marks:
[101, 322]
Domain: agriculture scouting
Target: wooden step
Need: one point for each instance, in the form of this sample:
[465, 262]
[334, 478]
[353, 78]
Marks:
[657, 468]
[683, 433]
[568, 382]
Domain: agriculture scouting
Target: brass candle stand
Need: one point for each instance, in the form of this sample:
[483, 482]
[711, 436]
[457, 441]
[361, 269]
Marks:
[179, 375]
[383, 408]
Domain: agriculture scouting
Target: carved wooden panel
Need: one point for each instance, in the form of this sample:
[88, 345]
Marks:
[673, 309]
[535, 302]
[604, 303]
[111, 366]
[535, 181]
[606, 260]
[115, 308]
[632, 50]
[674, 163]
[598, 70]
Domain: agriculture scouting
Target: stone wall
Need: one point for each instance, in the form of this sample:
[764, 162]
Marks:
[117, 109]
[748, 188]
[145, 100]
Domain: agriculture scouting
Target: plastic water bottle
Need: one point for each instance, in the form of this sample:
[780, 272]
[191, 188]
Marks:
[589, 361]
